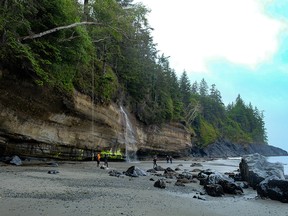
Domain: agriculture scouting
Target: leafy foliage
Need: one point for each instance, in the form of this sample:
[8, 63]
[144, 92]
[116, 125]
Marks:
[116, 60]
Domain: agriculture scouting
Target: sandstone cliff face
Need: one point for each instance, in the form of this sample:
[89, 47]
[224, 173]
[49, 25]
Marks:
[36, 123]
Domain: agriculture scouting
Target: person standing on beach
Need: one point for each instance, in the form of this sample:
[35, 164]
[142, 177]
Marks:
[170, 158]
[106, 160]
[167, 158]
[98, 159]
[155, 161]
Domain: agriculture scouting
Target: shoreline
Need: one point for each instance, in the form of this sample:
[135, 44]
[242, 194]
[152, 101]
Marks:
[83, 188]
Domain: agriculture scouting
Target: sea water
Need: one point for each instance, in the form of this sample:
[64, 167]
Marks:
[280, 159]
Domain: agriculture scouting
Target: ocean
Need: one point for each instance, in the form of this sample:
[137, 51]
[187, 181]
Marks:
[281, 159]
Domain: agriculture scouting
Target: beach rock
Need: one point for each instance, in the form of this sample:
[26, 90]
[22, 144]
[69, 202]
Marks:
[134, 171]
[16, 161]
[196, 170]
[209, 177]
[185, 175]
[179, 183]
[103, 167]
[177, 169]
[243, 185]
[151, 171]
[168, 169]
[170, 173]
[255, 168]
[53, 172]
[214, 190]
[274, 188]
[199, 197]
[159, 168]
[115, 173]
[160, 183]
[184, 181]
[196, 164]
[230, 187]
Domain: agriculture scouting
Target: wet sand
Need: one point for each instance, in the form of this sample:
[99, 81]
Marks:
[82, 188]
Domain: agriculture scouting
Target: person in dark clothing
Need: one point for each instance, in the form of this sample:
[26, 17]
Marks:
[170, 158]
[106, 160]
[155, 162]
[167, 158]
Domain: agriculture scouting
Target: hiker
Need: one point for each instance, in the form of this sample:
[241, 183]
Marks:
[98, 159]
[93, 156]
[170, 158]
[106, 160]
[167, 158]
[155, 162]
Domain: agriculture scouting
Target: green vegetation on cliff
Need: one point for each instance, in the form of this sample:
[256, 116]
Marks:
[104, 49]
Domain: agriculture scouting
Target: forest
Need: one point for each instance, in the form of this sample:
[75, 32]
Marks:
[104, 48]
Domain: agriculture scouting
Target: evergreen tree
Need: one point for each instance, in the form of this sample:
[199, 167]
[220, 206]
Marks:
[203, 88]
[185, 89]
[195, 88]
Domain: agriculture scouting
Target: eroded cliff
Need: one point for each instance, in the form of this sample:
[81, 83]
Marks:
[41, 122]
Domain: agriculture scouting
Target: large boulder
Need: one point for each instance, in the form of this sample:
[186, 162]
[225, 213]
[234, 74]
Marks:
[274, 188]
[214, 190]
[170, 173]
[160, 183]
[255, 168]
[16, 161]
[212, 180]
[134, 171]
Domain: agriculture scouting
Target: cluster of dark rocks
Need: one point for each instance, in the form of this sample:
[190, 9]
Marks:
[217, 184]
[254, 170]
[267, 178]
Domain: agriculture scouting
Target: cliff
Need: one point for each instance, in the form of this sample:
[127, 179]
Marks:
[41, 122]
[224, 148]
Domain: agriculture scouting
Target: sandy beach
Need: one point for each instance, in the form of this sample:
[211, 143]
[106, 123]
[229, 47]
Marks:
[82, 188]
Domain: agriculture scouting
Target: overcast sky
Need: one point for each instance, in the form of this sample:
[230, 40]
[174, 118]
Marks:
[239, 45]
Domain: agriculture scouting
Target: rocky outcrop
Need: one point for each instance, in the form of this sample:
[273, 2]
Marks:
[255, 168]
[267, 178]
[273, 188]
[42, 122]
[216, 184]
[224, 148]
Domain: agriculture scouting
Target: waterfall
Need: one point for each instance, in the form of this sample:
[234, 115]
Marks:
[129, 138]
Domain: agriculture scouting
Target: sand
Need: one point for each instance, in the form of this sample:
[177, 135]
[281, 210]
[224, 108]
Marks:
[82, 188]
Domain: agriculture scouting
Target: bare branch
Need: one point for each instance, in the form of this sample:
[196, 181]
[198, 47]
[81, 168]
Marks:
[99, 40]
[41, 34]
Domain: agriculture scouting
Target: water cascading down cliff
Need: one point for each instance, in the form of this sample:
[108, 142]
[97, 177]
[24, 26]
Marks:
[129, 138]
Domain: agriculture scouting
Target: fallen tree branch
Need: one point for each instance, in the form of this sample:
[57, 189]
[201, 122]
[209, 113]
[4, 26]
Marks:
[41, 34]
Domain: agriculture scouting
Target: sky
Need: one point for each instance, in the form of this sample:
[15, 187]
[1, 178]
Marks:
[241, 46]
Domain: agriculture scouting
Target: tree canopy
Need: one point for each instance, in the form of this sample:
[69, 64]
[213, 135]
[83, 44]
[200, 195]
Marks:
[105, 49]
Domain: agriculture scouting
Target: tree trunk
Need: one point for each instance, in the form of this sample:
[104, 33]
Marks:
[104, 60]
[86, 10]
[41, 34]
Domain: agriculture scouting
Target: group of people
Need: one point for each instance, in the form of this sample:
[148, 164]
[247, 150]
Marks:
[98, 159]
[168, 159]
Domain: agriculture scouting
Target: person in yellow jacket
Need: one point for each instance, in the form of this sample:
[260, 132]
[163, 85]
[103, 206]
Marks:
[98, 159]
